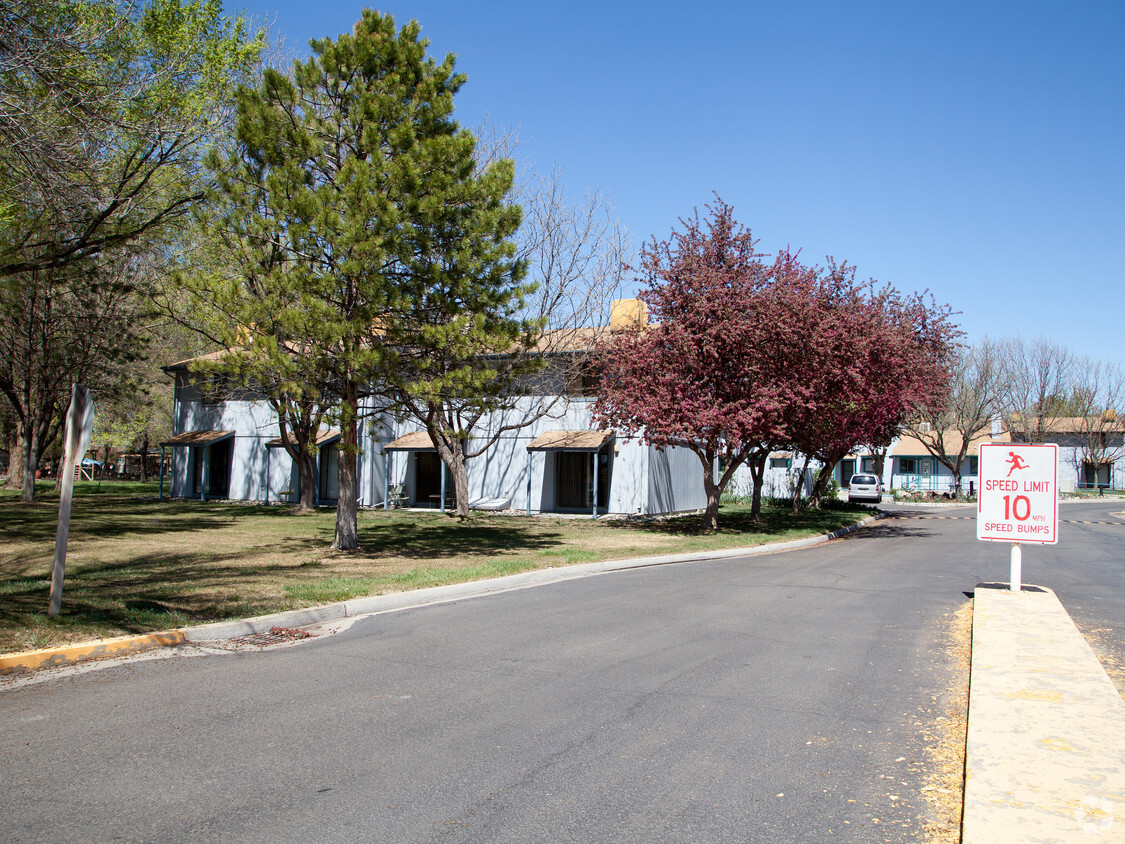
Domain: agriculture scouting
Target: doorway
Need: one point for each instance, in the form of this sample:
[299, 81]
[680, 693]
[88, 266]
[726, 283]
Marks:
[574, 480]
[217, 458]
[428, 470]
[329, 480]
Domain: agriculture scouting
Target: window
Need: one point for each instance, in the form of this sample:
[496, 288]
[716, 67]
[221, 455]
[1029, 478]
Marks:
[867, 464]
[972, 468]
[908, 465]
[582, 381]
[213, 389]
[779, 462]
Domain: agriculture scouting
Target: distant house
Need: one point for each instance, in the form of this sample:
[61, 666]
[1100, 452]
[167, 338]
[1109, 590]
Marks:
[1091, 448]
[226, 445]
[911, 466]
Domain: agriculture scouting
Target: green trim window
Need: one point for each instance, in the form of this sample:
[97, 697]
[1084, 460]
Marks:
[917, 466]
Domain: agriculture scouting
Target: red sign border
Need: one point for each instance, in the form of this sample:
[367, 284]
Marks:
[1055, 481]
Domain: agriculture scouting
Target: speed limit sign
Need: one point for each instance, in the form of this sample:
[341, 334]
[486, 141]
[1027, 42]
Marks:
[1019, 497]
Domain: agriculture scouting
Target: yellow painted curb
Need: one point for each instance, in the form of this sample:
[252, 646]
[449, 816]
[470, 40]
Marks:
[14, 663]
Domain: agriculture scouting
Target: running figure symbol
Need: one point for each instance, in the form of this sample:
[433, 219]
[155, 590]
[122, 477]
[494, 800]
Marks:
[1016, 461]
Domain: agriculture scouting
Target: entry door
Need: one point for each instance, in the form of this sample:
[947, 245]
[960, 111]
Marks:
[428, 469]
[329, 473]
[574, 480]
[217, 456]
[847, 469]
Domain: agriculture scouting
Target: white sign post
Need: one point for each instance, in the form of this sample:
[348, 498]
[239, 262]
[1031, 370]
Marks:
[1019, 497]
[79, 427]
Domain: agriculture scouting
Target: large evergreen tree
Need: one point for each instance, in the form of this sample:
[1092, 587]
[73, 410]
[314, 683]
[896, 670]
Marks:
[366, 237]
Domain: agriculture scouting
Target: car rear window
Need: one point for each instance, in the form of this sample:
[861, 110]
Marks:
[864, 479]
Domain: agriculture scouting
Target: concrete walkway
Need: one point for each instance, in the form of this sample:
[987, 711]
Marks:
[1045, 759]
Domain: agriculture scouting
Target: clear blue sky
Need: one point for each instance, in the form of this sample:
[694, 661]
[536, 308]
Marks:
[975, 149]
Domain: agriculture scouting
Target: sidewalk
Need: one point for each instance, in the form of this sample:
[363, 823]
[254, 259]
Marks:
[1045, 758]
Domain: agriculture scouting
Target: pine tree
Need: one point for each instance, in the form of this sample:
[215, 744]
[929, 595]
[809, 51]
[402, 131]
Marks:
[365, 232]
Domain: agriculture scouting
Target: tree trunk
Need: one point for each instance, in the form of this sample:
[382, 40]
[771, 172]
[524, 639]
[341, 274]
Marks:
[30, 464]
[298, 438]
[757, 465]
[799, 486]
[713, 490]
[880, 462]
[460, 482]
[347, 530]
[16, 461]
[822, 479]
[306, 481]
[144, 457]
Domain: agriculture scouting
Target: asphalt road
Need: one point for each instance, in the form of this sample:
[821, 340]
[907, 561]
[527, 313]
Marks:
[781, 698]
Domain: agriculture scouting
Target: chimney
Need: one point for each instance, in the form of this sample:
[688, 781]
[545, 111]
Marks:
[627, 314]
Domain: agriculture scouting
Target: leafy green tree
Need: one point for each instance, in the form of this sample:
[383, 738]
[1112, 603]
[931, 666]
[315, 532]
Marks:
[364, 232]
[107, 109]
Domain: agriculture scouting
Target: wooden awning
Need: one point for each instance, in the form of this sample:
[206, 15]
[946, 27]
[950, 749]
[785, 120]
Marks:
[570, 441]
[322, 439]
[414, 441]
[195, 439]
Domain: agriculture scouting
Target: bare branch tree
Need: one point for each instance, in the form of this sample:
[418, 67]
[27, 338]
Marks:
[1098, 397]
[1036, 381]
[948, 431]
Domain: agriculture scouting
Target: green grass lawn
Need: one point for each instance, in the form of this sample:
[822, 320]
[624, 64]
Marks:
[136, 564]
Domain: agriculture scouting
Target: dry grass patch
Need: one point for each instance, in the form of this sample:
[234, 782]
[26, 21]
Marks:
[945, 788]
[136, 564]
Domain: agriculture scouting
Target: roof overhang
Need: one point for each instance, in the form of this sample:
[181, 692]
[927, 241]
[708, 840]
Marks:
[570, 441]
[414, 441]
[322, 439]
[197, 439]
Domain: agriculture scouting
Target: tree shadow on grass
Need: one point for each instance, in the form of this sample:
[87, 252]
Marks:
[114, 517]
[436, 538]
[131, 594]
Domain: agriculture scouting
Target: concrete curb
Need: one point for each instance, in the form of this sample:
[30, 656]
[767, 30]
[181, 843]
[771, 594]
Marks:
[15, 663]
[1045, 755]
[31, 660]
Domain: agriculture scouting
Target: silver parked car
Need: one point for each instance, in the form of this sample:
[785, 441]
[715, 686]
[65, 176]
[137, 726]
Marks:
[865, 488]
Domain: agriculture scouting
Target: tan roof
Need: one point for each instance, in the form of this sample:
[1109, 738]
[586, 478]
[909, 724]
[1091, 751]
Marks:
[198, 438]
[183, 364]
[555, 341]
[414, 441]
[323, 438]
[909, 446]
[1108, 421]
[570, 441]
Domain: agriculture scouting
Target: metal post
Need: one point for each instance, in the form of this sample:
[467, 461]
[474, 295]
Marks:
[441, 464]
[267, 475]
[161, 496]
[1017, 566]
[387, 479]
[529, 483]
[595, 514]
[204, 473]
